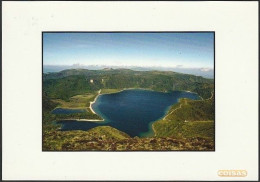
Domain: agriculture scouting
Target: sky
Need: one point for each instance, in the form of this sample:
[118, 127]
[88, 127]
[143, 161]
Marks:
[179, 50]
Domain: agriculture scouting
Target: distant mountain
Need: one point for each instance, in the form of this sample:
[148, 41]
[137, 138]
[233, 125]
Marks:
[204, 72]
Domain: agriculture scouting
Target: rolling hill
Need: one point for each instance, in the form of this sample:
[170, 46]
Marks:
[67, 83]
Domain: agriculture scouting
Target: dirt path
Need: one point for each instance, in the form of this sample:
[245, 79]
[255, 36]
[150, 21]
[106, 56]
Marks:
[211, 96]
[172, 112]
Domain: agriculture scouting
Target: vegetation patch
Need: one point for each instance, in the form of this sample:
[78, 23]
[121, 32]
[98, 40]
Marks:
[187, 119]
[77, 101]
[110, 91]
[110, 139]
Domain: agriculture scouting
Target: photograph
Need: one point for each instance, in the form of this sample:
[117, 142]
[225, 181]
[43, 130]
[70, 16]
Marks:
[128, 91]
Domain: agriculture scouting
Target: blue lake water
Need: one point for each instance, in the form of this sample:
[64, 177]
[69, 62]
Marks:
[131, 111]
[67, 111]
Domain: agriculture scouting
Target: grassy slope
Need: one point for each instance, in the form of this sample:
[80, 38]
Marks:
[81, 140]
[77, 101]
[188, 119]
[110, 139]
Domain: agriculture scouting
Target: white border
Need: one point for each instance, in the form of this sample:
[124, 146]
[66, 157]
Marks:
[236, 27]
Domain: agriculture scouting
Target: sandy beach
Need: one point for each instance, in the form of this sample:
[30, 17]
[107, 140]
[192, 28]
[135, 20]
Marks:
[92, 102]
[89, 120]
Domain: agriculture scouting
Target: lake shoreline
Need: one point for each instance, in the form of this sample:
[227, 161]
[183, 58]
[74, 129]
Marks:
[92, 110]
[148, 89]
[92, 102]
[121, 90]
[195, 93]
[170, 109]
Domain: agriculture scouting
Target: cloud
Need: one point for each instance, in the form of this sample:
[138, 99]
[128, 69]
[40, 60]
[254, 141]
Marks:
[179, 66]
[206, 69]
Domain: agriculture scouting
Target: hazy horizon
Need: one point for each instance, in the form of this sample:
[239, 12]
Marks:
[204, 72]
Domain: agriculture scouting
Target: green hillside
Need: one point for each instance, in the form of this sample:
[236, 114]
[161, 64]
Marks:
[68, 83]
[188, 118]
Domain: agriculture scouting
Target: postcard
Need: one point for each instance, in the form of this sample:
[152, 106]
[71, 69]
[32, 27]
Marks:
[130, 91]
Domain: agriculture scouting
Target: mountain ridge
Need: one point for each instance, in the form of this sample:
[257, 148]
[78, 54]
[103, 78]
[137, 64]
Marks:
[67, 83]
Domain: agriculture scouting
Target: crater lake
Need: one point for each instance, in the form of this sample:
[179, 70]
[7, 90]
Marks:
[132, 111]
